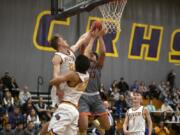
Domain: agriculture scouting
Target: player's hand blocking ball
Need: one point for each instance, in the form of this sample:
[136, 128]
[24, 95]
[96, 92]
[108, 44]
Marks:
[96, 25]
[97, 29]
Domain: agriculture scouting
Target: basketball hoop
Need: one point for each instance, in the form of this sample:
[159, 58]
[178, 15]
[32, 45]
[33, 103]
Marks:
[112, 12]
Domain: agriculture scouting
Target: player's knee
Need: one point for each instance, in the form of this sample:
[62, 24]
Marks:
[106, 126]
[83, 127]
[104, 122]
[83, 123]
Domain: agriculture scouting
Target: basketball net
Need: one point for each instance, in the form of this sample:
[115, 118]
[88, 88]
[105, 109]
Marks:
[112, 12]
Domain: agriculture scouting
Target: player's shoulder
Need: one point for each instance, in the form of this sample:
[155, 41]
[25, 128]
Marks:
[56, 59]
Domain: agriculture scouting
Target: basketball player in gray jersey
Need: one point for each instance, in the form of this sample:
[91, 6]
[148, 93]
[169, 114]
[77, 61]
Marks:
[90, 102]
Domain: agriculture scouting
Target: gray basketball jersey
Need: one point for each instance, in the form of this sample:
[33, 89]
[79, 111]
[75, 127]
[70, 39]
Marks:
[94, 78]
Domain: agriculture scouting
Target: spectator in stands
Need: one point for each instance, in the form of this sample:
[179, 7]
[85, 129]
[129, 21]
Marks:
[120, 107]
[162, 89]
[176, 117]
[27, 107]
[24, 95]
[166, 107]
[128, 98]
[8, 101]
[151, 107]
[4, 118]
[153, 91]
[14, 87]
[171, 78]
[123, 85]
[112, 129]
[103, 92]
[176, 121]
[17, 101]
[143, 89]
[7, 129]
[115, 93]
[161, 129]
[6, 79]
[1, 91]
[135, 86]
[33, 116]
[16, 117]
[168, 87]
[42, 110]
[170, 99]
[2, 114]
[113, 85]
[178, 107]
[175, 100]
[165, 116]
[30, 130]
[19, 129]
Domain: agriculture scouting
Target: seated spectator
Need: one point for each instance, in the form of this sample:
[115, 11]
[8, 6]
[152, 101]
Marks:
[30, 130]
[135, 86]
[19, 129]
[128, 98]
[171, 78]
[8, 101]
[42, 110]
[7, 129]
[16, 101]
[16, 117]
[166, 107]
[112, 129]
[161, 129]
[6, 79]
[176, 117]
[24, 95]
[113, 86]
[1, 91]
[115, 94]
[151, 107]
[120, 107]
[143, 89]
[175, 100]
[27, 107]
[162, 89]
[103, 92]
[34, 118]
[14, 87]
[165, 117]
[153, 91]
[170, 99]
[178, 107]
[2, 117]
[123, 85]
[176, 120]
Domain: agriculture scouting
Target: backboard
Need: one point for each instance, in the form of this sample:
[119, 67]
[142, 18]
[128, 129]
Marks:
[61, 9]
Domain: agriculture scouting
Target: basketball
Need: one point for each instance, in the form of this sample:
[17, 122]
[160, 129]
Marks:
[96, 25]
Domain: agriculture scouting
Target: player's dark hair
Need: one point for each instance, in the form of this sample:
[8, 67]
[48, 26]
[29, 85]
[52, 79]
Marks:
[82, 63]
[53, 41]
[97, 56]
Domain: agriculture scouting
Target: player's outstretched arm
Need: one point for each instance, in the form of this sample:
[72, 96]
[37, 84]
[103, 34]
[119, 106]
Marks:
[88, 49]
[149, 121]
[125, 125]
[56, 61]
[84, 39]
[102, 48]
